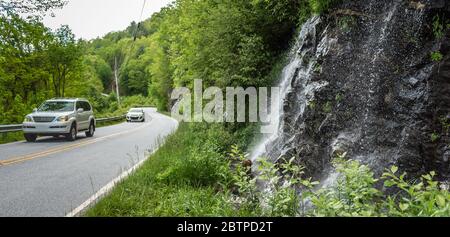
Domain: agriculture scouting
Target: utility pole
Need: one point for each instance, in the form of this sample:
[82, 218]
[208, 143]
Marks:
[117, 79]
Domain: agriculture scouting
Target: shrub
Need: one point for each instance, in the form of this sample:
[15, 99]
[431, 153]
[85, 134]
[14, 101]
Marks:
[436, 56]
[422, 198]
[438, 27]
[320, 6]
[278, 195]
[354, 194]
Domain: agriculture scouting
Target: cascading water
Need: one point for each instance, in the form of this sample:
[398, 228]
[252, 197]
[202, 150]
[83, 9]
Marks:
[360, 80]
[293, 68]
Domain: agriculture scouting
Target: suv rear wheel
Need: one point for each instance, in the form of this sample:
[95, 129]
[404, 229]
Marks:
[30, 137]
[90, 132]
[72, 135]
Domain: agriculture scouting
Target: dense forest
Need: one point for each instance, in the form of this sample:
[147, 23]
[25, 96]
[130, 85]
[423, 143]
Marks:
[222, 42]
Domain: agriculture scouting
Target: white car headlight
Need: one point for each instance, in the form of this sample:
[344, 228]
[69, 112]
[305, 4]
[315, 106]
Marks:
[28, 119]
[63, 119]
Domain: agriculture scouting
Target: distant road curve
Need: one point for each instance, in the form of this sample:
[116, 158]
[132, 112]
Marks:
[52, 177]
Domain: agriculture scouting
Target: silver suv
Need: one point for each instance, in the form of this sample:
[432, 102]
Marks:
[62, 116]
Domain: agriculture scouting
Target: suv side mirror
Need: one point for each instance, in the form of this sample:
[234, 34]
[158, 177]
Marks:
[80, 110]
[34, 110]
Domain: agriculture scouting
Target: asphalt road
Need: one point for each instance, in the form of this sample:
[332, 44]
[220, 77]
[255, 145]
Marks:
[51, 177]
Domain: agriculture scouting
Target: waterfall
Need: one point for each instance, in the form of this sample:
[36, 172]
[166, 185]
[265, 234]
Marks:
[356, 81]
[290, 71]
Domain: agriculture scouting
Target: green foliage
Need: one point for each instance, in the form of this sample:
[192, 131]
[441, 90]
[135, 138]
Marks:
[38, 64]
[188, 176]
[64, 59]
[245, 184]
[434, 137]
[278, 195]
[312, 105]
[307, 8]
[223, 43]
[438, 27]
[354, 194]
[339, 97]
[23, 77]
[11, 137]
[422, 198]
[327, 107]
[106, 106]
[436, 56]
[346, 23]
[29, 6]
[320, 6]
[283, 181]
[445, 123]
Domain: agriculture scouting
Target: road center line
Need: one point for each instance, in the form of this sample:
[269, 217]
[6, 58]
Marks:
[64, 148]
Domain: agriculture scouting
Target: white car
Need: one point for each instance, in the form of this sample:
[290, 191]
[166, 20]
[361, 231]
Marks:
[62, 116]
[136, 115]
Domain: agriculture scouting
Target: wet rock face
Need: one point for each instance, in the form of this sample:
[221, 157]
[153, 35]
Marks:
[364, 83]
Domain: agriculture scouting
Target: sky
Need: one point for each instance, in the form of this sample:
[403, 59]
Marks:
[90, 19]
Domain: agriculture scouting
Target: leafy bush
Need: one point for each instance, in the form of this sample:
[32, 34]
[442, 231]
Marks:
[277, 195]
[438, 27]
[354, 194]
[422, 198]
[320, 6]
[436, 56]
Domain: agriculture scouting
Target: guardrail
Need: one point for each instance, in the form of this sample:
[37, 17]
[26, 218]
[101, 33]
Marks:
[10, 128]
[101, 120]
[18, 127]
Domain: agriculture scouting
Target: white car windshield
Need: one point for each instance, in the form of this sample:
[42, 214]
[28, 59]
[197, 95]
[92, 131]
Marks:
[57, 106]
[135, 110]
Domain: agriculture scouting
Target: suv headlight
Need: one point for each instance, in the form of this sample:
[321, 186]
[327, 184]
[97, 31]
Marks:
[28, 119]
[63, 119]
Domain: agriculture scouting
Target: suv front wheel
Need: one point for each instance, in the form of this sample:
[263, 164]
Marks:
[30, 137]
[90, 132]
[72, 135]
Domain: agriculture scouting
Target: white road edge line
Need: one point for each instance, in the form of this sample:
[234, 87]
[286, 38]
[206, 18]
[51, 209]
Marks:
[108, 187]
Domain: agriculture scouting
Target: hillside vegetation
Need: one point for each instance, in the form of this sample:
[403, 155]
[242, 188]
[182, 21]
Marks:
[224, 43]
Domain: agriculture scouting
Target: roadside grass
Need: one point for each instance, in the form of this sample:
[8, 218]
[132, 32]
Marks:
[192, 175]
[188, 176]
[110, 123]
[11, 137]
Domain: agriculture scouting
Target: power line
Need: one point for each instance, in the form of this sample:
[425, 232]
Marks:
[127, 57]
[140, 20]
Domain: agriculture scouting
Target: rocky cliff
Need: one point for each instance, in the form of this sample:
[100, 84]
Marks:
[371, 79]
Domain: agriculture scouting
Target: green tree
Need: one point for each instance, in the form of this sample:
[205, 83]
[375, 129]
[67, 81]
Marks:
[29, 6]
[22, 61]
[64, 59]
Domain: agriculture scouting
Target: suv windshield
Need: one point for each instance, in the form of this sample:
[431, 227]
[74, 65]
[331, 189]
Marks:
[57, 106]
[136, 110]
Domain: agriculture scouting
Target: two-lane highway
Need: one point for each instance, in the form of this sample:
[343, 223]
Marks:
[51, 177]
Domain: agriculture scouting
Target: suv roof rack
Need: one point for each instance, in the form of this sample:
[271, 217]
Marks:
[67, 98]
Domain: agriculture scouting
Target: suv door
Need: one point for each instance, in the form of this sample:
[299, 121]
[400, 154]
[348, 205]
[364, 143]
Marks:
[83, 117]
[88, 109]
